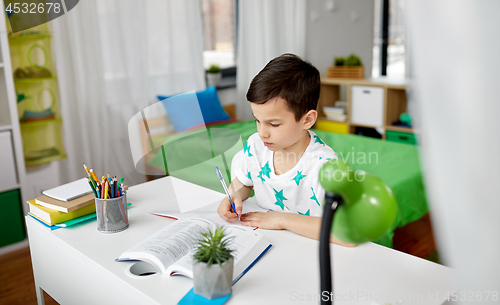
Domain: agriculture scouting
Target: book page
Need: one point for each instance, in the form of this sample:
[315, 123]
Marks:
[168, 245]
[247, 244]
[209, 212]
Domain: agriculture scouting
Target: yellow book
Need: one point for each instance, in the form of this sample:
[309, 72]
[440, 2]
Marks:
[53, 217]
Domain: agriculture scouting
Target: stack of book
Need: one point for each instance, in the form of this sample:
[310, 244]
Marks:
[64, 205]
[335, 113]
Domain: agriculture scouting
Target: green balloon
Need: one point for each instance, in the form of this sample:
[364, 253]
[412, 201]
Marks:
[369, 206]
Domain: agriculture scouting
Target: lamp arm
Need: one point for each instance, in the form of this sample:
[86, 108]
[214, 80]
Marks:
[332, 201]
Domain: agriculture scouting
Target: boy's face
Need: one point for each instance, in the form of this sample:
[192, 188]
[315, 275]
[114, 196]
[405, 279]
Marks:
[276, 124]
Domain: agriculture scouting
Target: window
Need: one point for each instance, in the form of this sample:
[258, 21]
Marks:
[220, 33]
[394, 60]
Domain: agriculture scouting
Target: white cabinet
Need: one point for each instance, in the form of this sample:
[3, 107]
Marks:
[367, 105]
[8, 175]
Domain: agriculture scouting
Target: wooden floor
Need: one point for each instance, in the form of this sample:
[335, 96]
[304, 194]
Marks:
[17, 286]
[16, 276]
[416, 238]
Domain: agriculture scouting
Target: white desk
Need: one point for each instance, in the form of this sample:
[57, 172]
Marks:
[76, 265]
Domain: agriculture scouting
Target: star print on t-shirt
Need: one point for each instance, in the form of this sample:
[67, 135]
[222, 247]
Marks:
[246, 149]
[298, 190]
[298, 177]
[314, 197]
[266, 170]
[318, 140]
[279, 199]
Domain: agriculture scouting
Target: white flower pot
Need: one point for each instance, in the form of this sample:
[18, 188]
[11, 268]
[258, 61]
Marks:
[213, 79]
[213, 282]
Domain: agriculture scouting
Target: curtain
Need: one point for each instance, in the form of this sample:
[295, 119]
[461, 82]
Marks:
[266, 29]
[113, 58]
[455, 49]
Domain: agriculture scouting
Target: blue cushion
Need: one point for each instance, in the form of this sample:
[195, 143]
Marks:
[183, 112]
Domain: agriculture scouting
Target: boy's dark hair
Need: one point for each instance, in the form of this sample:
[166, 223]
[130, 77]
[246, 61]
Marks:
[290, 78]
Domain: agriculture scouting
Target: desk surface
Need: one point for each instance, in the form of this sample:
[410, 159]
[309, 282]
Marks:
[76, 265]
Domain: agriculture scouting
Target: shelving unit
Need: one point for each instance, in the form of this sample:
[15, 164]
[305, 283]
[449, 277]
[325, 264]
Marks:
[13, 188]
[394, 104]
[37, 95]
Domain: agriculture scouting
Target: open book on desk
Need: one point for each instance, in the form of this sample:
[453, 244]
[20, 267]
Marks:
[208, 212]
[172, 248]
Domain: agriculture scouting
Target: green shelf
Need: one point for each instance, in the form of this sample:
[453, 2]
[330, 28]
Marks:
[45, 160]
[28, 37]
[40, 123]
[33, 80]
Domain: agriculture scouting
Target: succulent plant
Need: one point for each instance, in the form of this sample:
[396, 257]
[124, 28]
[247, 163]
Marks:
[339, 61]
[213, 69]
[353, 60]
[213, 247]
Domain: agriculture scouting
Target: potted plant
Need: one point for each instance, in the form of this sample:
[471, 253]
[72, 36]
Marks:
[213, 75]
[349, 67]
[213, 265]
[339, 61]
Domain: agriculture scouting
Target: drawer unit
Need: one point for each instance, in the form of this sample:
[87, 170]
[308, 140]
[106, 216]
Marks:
[8, 176]
[367, 105]
[11, 218]
[330, 126]
[401, 137]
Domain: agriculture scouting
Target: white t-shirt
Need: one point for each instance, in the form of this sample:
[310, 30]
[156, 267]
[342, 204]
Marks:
[296, 191]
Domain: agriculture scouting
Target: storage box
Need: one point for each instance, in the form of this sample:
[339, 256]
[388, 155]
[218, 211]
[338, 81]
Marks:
[37, 99]
[401, 137]
[11, 218]
[42, 142]
[32, 51]
[367, 106]
[8, 176]
[332, 126]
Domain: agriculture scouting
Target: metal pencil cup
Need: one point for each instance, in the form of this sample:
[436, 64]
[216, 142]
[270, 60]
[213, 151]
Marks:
[112, 214]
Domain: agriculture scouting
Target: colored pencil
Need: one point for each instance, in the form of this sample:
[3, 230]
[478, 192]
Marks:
[98, 190]
[112, 184]
[107, 187]
[102, 189]
[86, 169]
[92, 187]
[106, 191]
[94, 176]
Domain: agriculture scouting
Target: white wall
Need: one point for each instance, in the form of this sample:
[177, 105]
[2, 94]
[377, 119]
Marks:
[42, 177]
[346, 29]
[227, 96]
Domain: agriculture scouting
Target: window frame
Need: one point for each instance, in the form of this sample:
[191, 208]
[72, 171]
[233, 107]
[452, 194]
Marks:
[228, 77]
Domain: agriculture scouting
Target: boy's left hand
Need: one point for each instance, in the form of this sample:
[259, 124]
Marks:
[269, 220]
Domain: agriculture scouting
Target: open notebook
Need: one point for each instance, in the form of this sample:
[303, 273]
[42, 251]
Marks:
[208, 212]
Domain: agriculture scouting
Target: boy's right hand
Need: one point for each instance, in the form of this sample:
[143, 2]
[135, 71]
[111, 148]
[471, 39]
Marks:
[226, 212]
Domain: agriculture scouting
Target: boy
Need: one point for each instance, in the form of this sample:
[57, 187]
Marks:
[282, 160]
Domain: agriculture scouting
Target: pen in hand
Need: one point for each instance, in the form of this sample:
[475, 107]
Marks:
[226, 190]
